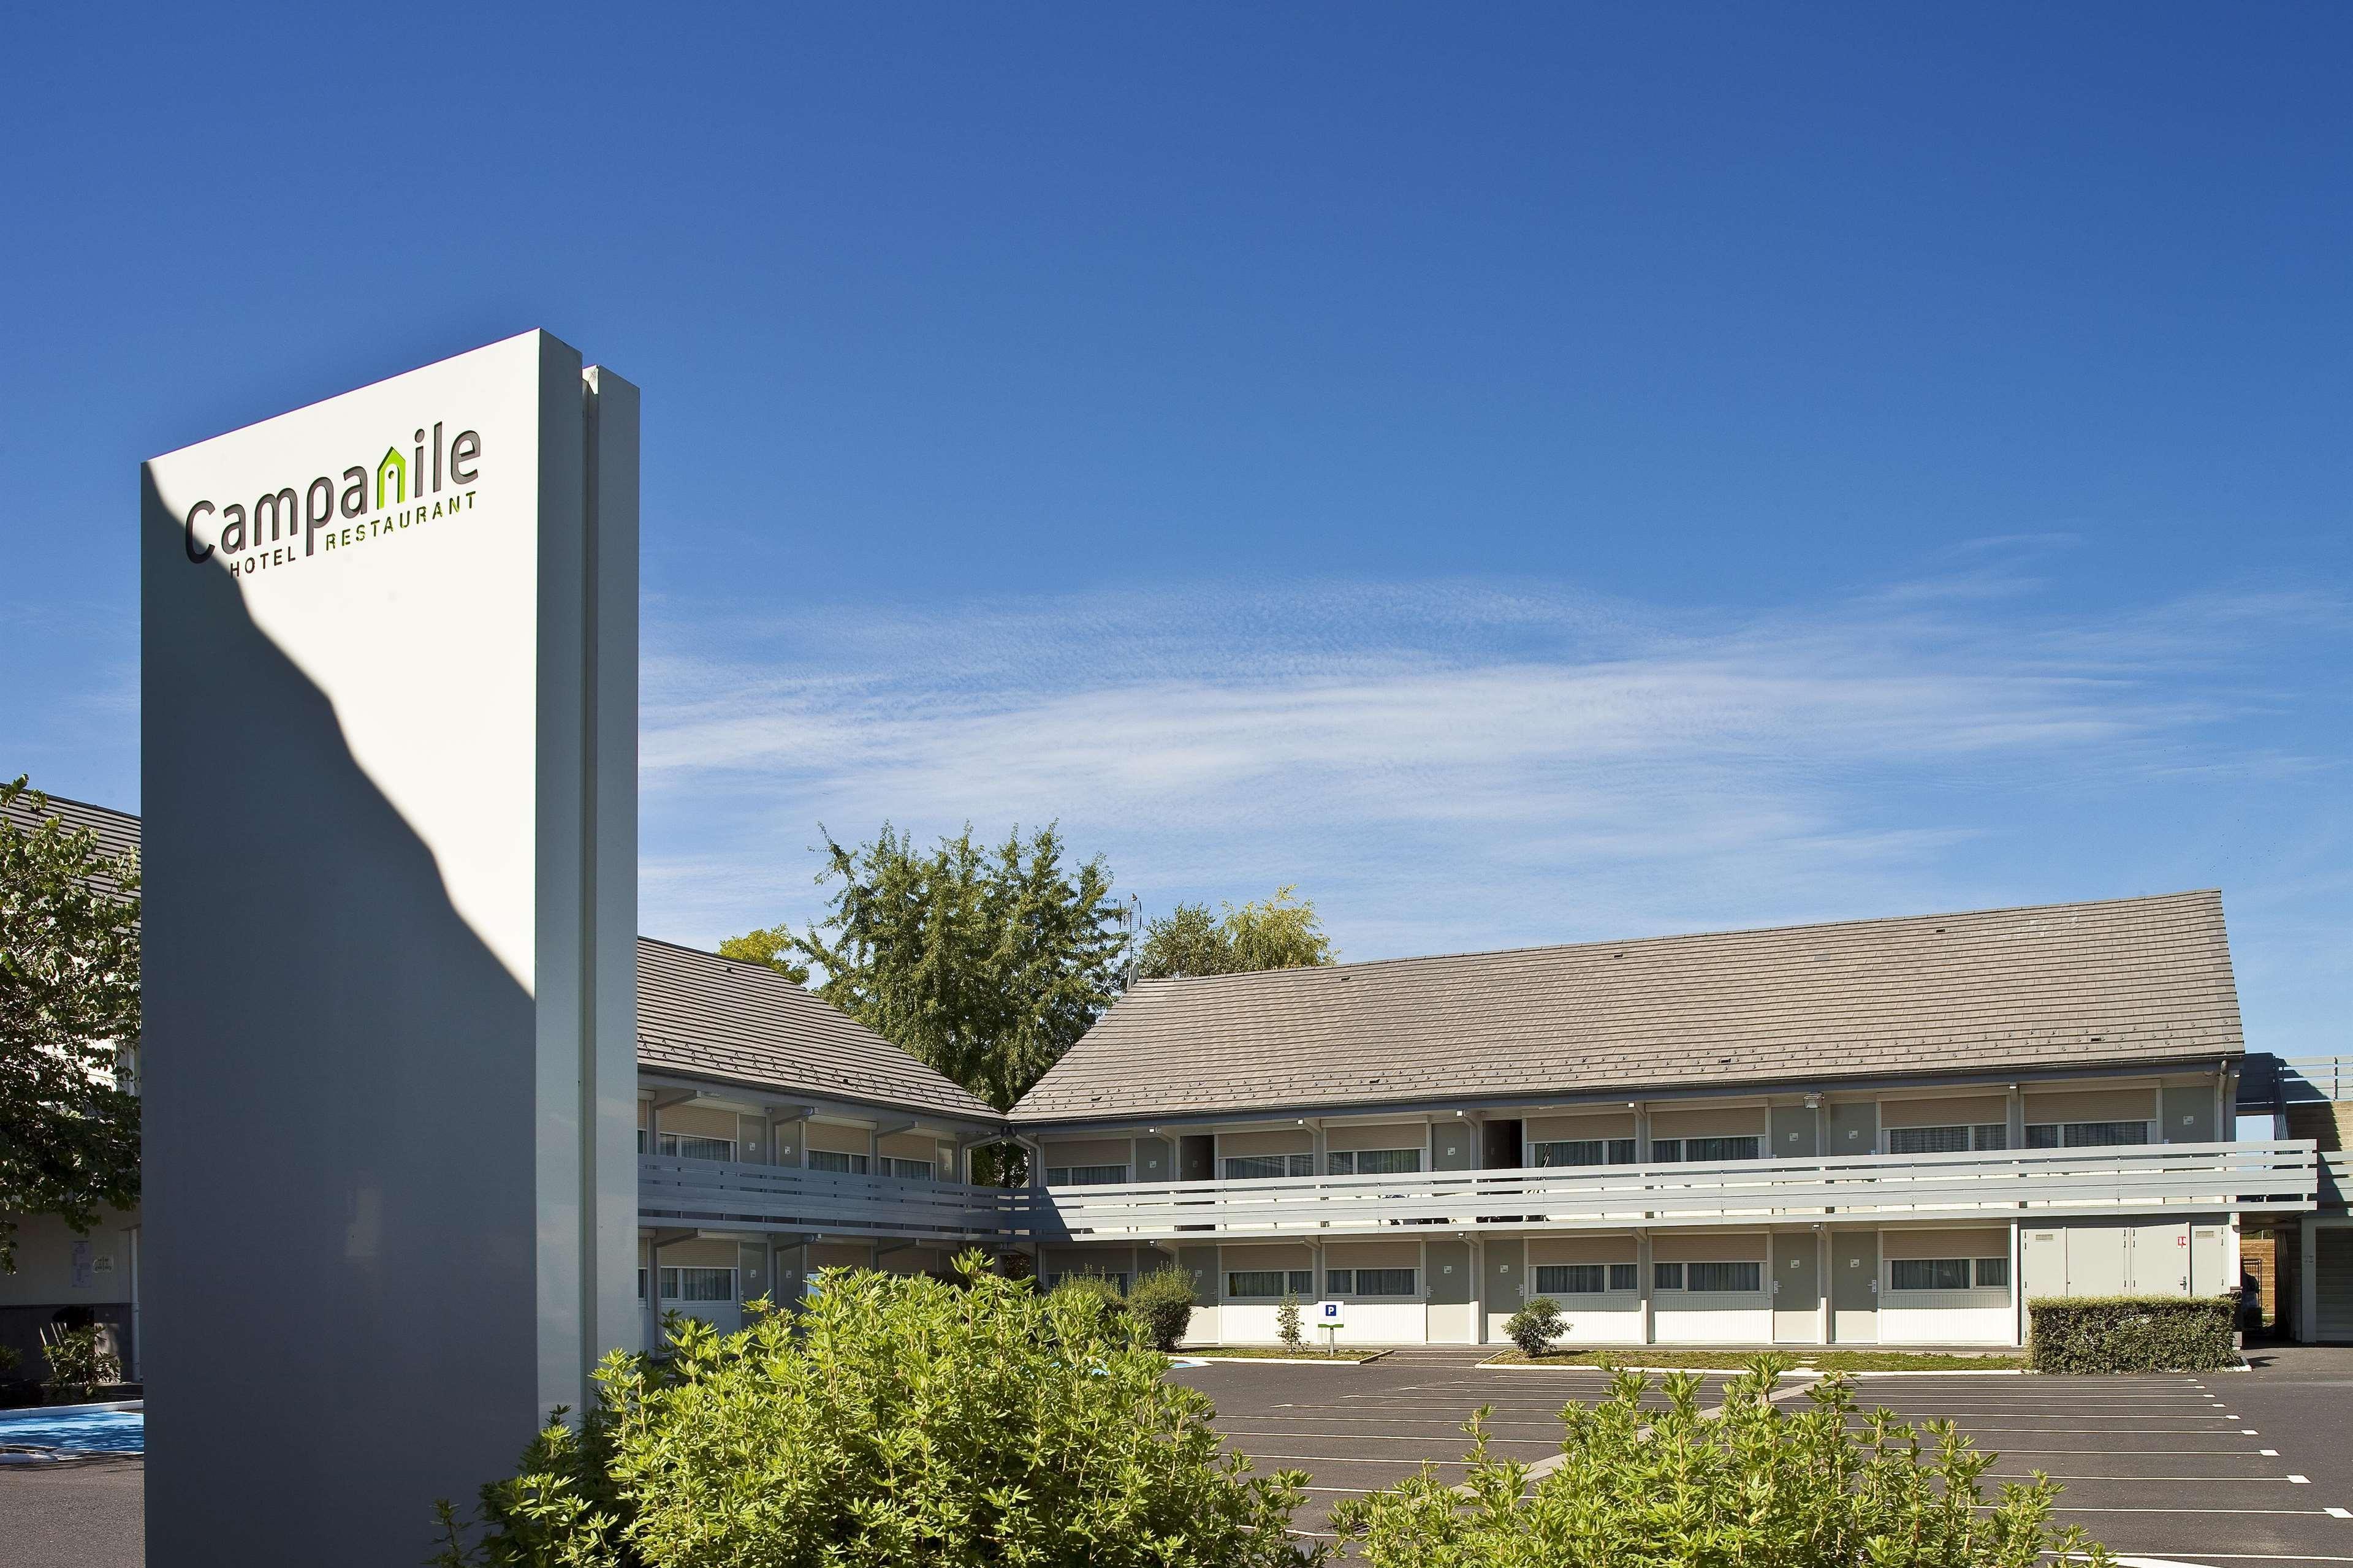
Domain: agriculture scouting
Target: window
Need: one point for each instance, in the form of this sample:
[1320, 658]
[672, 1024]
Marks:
[842, 1164]
[1993, 1273]
[1726, 1277]
[1625, 1277]
[698, 1284]
[1713, 1151]
[1992, 1135]
[641, 1275]
[1085, 1175]
[1666, 1276]
[1265, 1167]
[1666, 1151]
[907, 1169]
[1928, 1140]
[1584, 1151]
[1928, 1273]
[1371, 1161]
[1572, 1278]
[1269, 1283]
[2085, 1134]
[1368, 1281]
[686, 1146]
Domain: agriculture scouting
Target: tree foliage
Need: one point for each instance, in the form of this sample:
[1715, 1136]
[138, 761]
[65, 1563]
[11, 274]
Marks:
[896, 1420]
[771, 947]
[986, 964]
[1824, 1487]
[1284, 932]
[69, 1008]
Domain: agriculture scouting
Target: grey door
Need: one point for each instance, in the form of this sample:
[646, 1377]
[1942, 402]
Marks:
[2186, 1115]
[2333, 1283]
[1854, 1128]
[1854, 1287]
[1796, 1288]
[1795, 1133]
[1454, 1145]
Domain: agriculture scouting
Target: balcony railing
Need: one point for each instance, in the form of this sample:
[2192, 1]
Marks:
[2335, 1178]
[2205, 1178]
[2142, 1179]
[720, 1194]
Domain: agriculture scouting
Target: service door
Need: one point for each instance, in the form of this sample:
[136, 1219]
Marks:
[2209, 1259]
[2333, 1283]
[2156, 1259]
[1793, 1132]
[1796, 1288]
[1854, 1287]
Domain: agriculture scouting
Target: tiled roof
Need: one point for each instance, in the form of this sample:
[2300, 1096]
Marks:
[707, 1017]
[2135, 981]
[117, 832]
[713, 1018]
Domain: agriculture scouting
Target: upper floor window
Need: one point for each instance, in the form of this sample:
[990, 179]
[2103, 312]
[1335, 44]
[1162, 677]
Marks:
[1265, 1167]
[835, 1161]
[1703, 1150]
[1583, 1152]
[1266, 1284]
[1372, 1161]
[688, 1146]
[1369, 1282]
[1957, 1139]
[2084, 1134]
[907, 1169]
[1084, 1175]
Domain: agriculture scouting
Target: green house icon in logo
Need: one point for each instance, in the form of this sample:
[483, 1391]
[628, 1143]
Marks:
[393, 468]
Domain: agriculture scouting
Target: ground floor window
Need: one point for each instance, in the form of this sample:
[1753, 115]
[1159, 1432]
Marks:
[1085, 1175]
[1583, 1278]
[1267, 1284]
[698, 1284]
[1948, 1273]
[1369, 1282]
[2085, 1134]
[1721, 1278]
[1372, 1161]
[840, 1164]
[1267, 1167]
[1583, 1152]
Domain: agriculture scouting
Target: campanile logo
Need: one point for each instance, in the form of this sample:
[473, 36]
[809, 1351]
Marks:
[432, 480]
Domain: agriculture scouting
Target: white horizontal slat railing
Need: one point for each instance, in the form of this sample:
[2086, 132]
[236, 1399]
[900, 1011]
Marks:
[2335, 1178]
[717, 1195]
[2137, 1179]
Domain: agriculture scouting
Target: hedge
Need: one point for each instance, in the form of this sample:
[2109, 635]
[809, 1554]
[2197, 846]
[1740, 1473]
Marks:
[2132, 1333]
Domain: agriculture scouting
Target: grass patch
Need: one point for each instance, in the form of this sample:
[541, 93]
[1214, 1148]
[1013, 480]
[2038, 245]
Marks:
[1274, 1353]
[1818, 1361]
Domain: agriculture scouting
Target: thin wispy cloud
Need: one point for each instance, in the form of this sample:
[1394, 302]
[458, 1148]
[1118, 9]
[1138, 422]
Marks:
[1459, 764]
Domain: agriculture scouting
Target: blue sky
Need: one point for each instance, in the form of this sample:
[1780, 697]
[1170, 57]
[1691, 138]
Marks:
[1518, 474]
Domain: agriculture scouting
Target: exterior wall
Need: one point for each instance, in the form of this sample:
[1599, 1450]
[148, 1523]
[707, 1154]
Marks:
[831, 1136]
[1945, 1110]
[1589, 1124]
[1708, 1121]
[2105, 1257]
[2126, 1104]
[1612, 1318]
[1975, 1316]
[1281, 1141]
[1695, 1317]
[1377, 1135]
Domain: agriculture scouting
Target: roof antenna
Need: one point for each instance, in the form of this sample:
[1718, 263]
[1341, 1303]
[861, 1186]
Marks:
[1133, 917]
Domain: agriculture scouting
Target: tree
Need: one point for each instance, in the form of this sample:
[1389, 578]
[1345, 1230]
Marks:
[1282, 934]
[771, 947]
[987, 964]
[68, 1009]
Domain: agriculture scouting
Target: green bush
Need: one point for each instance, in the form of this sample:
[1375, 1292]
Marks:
[1535, 1325]
[897, 1420]
[1760, 1484]
[78, 1362]
[2132, 1333]
[1163, 1301]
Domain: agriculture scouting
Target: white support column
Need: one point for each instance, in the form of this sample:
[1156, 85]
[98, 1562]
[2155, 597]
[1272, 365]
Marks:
[2307, 1281]
[1643, 1263]
[1478, 1288]
[1823, 1277]
[2017, 1282]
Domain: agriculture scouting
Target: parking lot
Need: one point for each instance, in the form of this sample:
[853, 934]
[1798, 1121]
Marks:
[2223, 1467]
